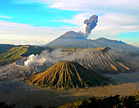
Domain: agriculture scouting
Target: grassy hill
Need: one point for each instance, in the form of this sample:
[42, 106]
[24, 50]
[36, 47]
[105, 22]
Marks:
[66, 75]
[4, 47]
[17, 53]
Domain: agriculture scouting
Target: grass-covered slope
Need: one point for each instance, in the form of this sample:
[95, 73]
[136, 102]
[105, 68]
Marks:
[66, 75]
[17, 53]
[4, 47]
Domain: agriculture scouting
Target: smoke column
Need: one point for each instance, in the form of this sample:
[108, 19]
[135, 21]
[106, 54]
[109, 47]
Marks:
[91, 24]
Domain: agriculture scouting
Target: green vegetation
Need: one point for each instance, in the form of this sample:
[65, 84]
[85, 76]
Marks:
[34, 50]
[106, 102]
[4, 47]
[12, 55]
[67, 75]
[17, 53]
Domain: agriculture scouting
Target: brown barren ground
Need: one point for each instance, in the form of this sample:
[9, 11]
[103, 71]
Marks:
[25, 96]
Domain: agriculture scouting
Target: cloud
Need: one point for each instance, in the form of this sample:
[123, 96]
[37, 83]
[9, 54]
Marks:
[24, 41]
[11, 31]
[115, 23]
[114, 17]
[5, 17]
[134, 44]
[109, 25]
[76, 20]
[83, 5]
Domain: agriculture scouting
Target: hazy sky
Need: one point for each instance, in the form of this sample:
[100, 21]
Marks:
[40, 21]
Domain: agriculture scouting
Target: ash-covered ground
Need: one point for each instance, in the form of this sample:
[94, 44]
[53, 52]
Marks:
[17, 69]
[26, 96]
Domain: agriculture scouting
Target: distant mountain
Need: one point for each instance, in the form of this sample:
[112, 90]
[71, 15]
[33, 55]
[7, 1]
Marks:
[67, 75]
[119, 45]
[67, 39]
[74, 39]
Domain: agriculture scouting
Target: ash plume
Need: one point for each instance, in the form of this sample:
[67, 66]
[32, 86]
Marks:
[91, 24]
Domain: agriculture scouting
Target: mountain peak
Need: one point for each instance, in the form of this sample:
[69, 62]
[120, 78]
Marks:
[67, 39]
[73, 35]
[102, 40]
[66, 75]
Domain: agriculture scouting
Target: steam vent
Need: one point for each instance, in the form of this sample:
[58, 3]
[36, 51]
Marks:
[67, 75]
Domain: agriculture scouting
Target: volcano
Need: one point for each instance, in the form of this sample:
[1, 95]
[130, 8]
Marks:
[65, 74]
[74, 39]
[68, 39]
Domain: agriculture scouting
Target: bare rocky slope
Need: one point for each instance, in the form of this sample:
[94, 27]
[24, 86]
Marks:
[14, 70]
[67, 75]
[103, 60]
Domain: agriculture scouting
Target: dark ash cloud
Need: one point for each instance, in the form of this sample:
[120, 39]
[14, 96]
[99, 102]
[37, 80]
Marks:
[91, 24]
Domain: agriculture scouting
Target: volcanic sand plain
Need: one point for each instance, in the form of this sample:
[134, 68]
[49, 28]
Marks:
[26, 96]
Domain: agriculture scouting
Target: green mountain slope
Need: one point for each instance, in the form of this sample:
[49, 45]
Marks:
[4, 47]
[66, 75]
[17, 53]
